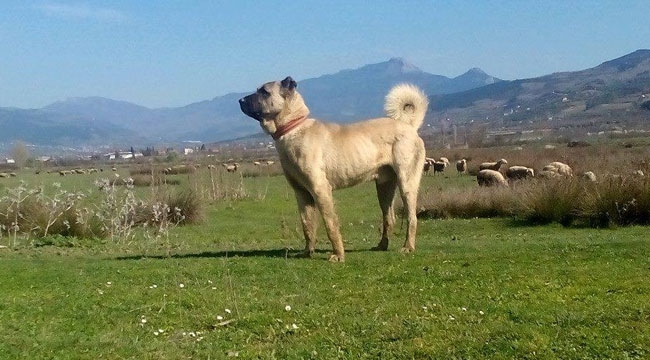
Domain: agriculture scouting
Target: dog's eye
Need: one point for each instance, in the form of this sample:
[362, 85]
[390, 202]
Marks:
[262, 91]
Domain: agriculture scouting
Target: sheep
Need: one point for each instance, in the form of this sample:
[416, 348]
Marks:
[461, 166]
[439, 166]
[547, 174]
[444, 160]
[589, 175]
[269, 162]
[492, 165]
[638, 173]
[427, 166]
[559, 168]
[257, 163]
[13, 174]
[489, 177]
[211, 167]
[114, 168]
[519, 172]
[231, 168]
[4, 175]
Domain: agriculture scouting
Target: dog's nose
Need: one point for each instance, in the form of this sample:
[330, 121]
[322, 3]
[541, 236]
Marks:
[241, 101]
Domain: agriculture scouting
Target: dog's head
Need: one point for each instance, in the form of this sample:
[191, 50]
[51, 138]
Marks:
[274, 104]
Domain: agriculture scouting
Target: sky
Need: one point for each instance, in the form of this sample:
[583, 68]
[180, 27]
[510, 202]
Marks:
[172, 53]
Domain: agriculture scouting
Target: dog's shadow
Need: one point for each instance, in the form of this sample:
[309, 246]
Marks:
[271, 253]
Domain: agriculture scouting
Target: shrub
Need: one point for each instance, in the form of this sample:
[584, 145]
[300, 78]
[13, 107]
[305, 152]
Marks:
[470, 203]
[617, 201]
[552, 200]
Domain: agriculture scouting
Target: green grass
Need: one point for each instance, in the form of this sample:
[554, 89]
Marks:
[477, 288]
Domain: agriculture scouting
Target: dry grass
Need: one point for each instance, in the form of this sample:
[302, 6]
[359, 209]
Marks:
[614, 201]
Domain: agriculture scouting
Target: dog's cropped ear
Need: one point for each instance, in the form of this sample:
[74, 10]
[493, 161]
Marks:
[288, 83]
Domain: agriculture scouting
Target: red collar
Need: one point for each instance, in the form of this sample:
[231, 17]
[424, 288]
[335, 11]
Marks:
[283, 130]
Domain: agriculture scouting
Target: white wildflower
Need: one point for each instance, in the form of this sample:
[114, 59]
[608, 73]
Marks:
[287, 308]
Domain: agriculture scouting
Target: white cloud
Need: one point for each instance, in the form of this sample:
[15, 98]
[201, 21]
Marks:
[82, 11]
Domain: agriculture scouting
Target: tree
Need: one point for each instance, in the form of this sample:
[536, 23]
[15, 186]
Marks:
[20, 153]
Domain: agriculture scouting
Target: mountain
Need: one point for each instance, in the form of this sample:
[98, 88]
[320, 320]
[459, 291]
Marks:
[43, 127]
[345, 96]
[612, 92]
[616, 91]
[356, 94]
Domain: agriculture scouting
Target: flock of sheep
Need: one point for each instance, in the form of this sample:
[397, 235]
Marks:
[489, 173]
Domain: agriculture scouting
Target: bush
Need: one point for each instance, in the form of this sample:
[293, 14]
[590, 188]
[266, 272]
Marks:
[617, 201]
[552, 200]
[36, 214]
[471, 203]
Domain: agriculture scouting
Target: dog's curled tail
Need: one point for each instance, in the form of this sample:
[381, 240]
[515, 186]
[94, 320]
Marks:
[407, 103]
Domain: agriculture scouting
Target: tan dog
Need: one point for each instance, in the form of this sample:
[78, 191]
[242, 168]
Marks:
[320, 157]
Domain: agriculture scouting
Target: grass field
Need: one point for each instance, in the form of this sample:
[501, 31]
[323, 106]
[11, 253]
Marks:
[230, 286]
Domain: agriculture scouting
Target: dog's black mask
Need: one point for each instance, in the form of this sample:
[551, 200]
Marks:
[252, 105]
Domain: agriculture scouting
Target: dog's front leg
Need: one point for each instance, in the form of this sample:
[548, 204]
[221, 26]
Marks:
[325, 203]
[307, 208]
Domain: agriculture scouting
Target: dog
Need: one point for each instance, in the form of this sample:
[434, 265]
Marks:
[319, 157]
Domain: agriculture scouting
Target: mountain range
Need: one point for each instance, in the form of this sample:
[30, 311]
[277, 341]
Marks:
[614, 92]
[609, 92]
[345, 96]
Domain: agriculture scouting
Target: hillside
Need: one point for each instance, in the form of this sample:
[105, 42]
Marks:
[43, 127]
[614, 92]
[345, 96]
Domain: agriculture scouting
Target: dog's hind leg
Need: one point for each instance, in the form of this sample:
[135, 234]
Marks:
[409, 192]
[409, 174]
[325, 202]
[308, 212]
[386, 195]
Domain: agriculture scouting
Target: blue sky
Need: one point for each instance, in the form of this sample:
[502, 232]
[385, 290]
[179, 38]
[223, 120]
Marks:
[172, 53]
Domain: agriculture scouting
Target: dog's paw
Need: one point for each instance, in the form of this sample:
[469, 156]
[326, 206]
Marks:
[407, 250]
[336, 258]
[305, 254]
[379, 247]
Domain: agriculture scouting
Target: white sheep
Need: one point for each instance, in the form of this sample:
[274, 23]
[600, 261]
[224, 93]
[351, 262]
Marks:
[231, 168]
[589, 175]
[492, 165]
[444, 160]
[461, 166]
[547, 174]
[519, 172]
[489, 177]
[559, 168]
